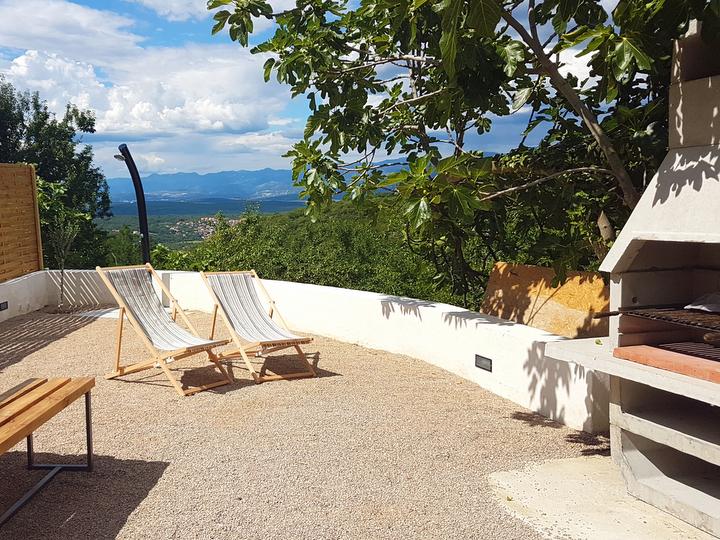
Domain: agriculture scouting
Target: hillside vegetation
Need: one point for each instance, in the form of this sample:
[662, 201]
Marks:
[349, 247]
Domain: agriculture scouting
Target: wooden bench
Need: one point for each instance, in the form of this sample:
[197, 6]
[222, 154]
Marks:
[28, 406]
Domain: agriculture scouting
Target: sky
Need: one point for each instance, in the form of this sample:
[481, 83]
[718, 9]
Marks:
[181, 99]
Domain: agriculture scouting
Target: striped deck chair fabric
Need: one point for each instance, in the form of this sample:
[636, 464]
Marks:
[135, 286]
[165, 339]
[239, 299]
[250, 322]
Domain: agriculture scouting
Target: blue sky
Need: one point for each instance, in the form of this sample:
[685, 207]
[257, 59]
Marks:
[182, 99]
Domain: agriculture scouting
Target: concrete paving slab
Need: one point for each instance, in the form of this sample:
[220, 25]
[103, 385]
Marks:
[584, 499]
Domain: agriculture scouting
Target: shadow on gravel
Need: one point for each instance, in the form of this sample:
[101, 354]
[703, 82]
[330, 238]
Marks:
[24, 335]
[275, 363]
[196, 376]
[75, 504]
[533, 419]
[593, 445]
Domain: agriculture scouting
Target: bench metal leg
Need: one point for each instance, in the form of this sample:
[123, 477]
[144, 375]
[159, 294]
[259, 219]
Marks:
[53, 468]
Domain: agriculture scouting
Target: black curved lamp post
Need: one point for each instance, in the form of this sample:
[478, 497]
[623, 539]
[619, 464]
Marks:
[140, 197]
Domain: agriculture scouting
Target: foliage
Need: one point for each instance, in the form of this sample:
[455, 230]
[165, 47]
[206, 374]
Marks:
[346, 247]
[123, 247]
[62, 232]
[420, 78]
[67, 179]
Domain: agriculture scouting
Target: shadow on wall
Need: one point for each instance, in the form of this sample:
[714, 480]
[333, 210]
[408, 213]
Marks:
[525, 294]
[76, 504]
[406, 306]
[683, 173]
[694, 120]
[25, 334]
[461, 319]
[547, 378]
[82, 288]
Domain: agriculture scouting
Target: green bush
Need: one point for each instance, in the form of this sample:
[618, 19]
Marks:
[348, 247]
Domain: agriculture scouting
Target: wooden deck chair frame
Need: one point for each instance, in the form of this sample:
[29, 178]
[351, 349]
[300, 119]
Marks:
[160, 359]
[242, 348]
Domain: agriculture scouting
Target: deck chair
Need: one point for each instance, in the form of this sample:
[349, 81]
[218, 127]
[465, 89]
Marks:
[163, 337]
[251, 325]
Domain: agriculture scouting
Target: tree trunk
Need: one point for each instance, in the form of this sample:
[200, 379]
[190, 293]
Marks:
[61, 300]
[630, 195]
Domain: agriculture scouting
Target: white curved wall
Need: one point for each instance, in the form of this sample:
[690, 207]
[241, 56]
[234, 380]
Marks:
[24, 294]
[444, 335]
[441, 334]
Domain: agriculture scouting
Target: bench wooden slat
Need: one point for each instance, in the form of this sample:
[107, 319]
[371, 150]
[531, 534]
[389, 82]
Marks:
[28, 399]
[17, 391]
[27, 422]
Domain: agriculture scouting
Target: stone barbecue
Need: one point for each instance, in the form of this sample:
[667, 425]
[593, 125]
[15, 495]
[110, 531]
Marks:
[663, 359]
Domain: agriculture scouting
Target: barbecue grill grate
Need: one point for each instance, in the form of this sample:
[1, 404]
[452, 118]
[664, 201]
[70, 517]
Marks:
[695, 319]
[703, 350]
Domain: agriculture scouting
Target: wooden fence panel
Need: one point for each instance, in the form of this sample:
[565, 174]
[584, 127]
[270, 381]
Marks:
[20, 244]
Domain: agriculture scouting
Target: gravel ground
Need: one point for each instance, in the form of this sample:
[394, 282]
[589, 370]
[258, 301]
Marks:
[378, 446]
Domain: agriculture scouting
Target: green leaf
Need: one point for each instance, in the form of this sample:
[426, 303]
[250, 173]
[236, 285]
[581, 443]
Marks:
[448, 40]
[642, 60]
[313, 122]
[311, 177]
[559, 24]
[567, 8]
[594, 45]
[626, 52]
[513, 53]
[521, 98]
[583, 33]
[223, 15]
[214, 4]
[267, 68]
[482, 166]
[612, 92]
[446, 164]
[484, 16]
[622, 57]
[418, 213]
[217, 27]
[394, 178]
[418, 166]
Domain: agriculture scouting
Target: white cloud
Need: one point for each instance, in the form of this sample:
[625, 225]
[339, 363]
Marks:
[91, 35]
[183, 10]
[190, 88]
[206, 152]
[284, 121]
[193, 107]
[274, 143]
[177, 10]
[576, 65]
[197, 107]
[149, 162]
[58, 80]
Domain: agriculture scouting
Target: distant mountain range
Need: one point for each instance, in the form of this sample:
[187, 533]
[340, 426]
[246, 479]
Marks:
[247, 185]
[189, 186]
